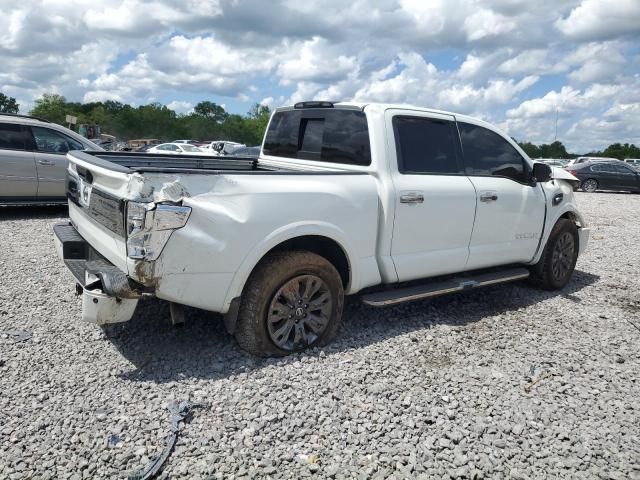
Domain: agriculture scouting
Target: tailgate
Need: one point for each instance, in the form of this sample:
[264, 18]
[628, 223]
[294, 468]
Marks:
[97, 198]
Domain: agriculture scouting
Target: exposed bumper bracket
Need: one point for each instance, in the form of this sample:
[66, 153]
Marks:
[108, 295]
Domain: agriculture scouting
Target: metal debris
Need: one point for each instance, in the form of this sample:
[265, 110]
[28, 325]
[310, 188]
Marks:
[180, 411]
[17, 336]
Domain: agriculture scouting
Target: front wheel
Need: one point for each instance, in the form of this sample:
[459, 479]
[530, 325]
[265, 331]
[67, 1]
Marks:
[558, 260]
[590, 185]
[292, 301]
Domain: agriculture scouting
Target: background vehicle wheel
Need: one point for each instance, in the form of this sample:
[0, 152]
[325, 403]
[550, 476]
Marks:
[589, 185]
[292, 301]
[558, 260]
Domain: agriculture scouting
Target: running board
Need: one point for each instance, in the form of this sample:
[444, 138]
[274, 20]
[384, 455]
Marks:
[442, 287]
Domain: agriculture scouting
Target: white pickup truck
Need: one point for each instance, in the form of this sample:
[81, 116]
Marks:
[394, 202]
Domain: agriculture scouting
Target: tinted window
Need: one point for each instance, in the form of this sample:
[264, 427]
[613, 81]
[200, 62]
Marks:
[11, 136]
[327, 135]
[487, 153]
[623, 169]
[425, 145]
[50, 141]
[604, 167]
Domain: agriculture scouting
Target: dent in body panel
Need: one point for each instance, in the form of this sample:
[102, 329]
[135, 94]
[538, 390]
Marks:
[235, 223]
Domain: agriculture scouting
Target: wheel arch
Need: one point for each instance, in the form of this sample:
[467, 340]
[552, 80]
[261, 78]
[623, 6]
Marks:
[325, 240]
[569, 212]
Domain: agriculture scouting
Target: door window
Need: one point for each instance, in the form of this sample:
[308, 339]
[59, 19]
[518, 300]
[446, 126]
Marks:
[50, 141]
[488, 154]
[623, 169]
[426, 145]
[12, 137]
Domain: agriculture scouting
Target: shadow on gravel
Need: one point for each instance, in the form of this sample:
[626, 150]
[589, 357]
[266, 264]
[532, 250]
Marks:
[33, 212]
[202, 348]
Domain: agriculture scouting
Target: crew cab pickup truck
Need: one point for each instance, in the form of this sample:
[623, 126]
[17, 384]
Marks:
[395, 203]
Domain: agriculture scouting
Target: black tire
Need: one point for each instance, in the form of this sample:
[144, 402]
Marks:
[263, 302]
[590, 185]
[555, 267]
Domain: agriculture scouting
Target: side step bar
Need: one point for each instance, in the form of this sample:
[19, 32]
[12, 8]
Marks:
[442, 287]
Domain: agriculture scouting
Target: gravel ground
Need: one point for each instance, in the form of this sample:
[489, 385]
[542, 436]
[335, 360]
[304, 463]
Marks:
[508, 382]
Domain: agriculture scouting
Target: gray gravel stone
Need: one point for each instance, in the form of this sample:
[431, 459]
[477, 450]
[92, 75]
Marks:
[425, 390]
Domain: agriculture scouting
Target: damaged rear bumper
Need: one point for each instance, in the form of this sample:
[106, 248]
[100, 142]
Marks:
[108, 294]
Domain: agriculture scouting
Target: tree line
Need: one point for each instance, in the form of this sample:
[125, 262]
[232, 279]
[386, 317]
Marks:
[210, 121]
[558, 150]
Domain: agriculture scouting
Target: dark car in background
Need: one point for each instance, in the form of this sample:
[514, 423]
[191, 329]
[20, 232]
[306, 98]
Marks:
[613, 175]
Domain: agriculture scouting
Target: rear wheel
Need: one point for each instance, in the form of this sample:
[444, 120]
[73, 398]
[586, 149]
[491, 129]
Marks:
[292, 301]
[555, 267]
[590, 185]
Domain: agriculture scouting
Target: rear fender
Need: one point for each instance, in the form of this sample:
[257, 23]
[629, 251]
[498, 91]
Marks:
[281, 235]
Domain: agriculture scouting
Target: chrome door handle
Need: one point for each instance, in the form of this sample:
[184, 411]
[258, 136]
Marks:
[488, 197]
[412, 198]
[46, 162]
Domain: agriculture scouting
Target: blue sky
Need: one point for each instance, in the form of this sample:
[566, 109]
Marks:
[512, 62]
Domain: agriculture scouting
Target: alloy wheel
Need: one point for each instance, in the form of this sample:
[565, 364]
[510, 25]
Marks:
[563, 256]
[590, 186]
[299, 312]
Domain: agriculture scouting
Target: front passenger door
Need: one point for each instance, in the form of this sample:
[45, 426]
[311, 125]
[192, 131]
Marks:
[510, 210]
[51, 160]
[627, 177]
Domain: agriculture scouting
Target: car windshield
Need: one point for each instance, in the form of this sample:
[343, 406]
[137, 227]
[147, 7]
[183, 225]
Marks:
[190, 148]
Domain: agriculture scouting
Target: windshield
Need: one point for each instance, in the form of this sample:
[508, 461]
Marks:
[190, 148]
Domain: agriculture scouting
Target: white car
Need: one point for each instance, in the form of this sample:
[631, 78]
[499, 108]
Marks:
[591, 159]
[633, 162]
[176, 148]
[391, 202]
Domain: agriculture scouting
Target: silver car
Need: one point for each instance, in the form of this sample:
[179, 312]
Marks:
[33, 160]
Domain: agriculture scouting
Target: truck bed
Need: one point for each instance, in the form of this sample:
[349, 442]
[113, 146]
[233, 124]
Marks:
[129, 162]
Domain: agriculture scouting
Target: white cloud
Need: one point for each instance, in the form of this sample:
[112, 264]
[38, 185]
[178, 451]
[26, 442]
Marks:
[181, 107]
[595, 62]
[487, 23]
[601, 19]
[316, 61]
[511, 61]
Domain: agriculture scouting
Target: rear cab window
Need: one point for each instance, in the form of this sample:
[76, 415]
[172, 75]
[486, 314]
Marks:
[333, 135]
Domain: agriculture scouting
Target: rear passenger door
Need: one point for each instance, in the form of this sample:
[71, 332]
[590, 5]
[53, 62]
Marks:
[51, 160]
[18, 176]
[435, 201]
[510, 209]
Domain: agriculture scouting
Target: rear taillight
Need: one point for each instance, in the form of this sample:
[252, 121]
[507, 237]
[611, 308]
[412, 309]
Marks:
[149, 226]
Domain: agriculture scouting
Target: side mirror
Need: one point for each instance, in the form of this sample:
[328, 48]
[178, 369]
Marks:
[541, 172]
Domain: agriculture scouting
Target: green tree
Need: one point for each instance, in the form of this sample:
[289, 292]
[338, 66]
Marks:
[620, 151]
[211, 110]
[530, 149]
[553, 150]
[53, 107]
[8, 104]
[258, 120]
[209, 121]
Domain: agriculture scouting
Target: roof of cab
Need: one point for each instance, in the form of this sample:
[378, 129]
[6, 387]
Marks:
[401, 106]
